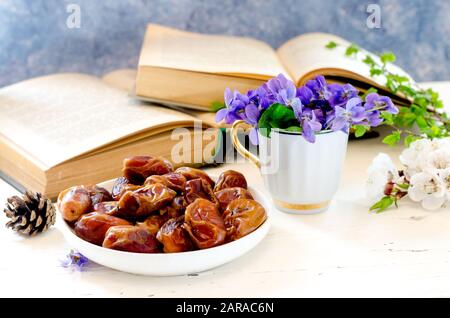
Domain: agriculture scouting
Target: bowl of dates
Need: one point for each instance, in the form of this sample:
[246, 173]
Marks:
[161, 221]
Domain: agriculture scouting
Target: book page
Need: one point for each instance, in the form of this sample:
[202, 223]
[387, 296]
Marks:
[232, 55]
[124, 79]
[58, 117]
[306, 56]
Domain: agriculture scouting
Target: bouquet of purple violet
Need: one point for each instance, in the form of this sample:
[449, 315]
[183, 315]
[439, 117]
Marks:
[309, 109]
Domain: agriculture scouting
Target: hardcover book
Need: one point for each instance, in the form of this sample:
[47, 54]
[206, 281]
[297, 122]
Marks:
[192, 70]
[66, 129]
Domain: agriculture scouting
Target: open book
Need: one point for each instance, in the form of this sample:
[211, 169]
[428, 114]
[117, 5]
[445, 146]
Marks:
[60, 130]
[192, 70]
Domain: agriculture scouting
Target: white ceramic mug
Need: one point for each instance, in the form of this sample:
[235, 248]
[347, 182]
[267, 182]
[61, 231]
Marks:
[301, 177]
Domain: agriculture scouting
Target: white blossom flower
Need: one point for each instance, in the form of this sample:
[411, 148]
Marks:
[380, 172]
[420, 155]
[437, 159]
[442, 142]
[413, 156]
[445, 177]
[428, 188]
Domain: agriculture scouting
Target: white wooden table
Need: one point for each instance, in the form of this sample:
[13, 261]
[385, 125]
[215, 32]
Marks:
[345, 251]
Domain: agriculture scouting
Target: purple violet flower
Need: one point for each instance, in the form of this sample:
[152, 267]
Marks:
[283, 91]
[261, 97]
[316, 105]
[308, 122]
[252, 114]
[375, 102]
[305, 95]
[319, 88]
[75, 260]
[374, 118]
[353, 113]
[341, 94]
[235, 107]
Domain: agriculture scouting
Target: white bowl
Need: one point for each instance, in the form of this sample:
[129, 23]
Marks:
[170, 264]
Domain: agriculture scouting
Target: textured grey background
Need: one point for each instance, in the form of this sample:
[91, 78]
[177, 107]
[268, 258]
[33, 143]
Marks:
[34, 38]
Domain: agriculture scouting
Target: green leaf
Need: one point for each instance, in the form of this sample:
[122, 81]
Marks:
[391, 84]
[409, 119]
[392, 139]
[215, 106]
[369, 61]
[410, 139]
[294, 129]
[352, 50]
[387, 57]
[331, 45]
[403, 186]
[276, 116]
[421, 122]
[399, 78]
[383, 204]
[408, 91]
[375, 71]
[434, 132]
[388, 118]
[360, 130]
[421, 101]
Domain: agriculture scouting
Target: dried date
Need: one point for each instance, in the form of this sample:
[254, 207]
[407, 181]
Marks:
[78, 200]
[154, 222]
[131, 238]
[204, 224]
[192, 173]
[174, 237]
[122, 185]
[144, 201]
[92, 227]
[174, 181]
[243, 216]
[105, 207]
[225, 196]
[138, 168]
[230, 179]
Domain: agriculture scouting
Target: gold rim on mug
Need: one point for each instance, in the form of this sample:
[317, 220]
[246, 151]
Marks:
[301, 206]
[238, 146]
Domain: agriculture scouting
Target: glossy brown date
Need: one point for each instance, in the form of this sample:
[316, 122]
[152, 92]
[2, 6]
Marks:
[230, 179]
[204, 224]
[122, 185]
[175, 208]
[105, 207]
[92, 227]
[243, 216]
[199, 188]
[78, 200]
[192, 173]
[138, 168]
[98, 194]
[144, 201]
[174, 181]
[154, 222]
[131, 238]
[225, 196]
[174, 237]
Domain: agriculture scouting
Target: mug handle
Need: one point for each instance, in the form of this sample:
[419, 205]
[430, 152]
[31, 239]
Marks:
[238, 146]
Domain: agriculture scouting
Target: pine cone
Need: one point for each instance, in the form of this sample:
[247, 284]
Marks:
[31, 214]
